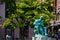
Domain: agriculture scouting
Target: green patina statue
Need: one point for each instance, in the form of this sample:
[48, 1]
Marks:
[40, 29]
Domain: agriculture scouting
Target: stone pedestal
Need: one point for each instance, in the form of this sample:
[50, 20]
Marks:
[35, 38]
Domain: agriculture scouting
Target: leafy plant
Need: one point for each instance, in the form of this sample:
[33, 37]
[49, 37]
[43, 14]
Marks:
[30, 9]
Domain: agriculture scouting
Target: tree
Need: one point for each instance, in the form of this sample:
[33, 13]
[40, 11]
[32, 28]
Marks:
[34, 9]
[29, 9]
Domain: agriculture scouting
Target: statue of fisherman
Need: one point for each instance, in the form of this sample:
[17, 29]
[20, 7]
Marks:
[40, 30]
[39, 26]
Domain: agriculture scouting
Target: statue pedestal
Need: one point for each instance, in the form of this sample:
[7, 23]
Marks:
[35, 38]
[40, 37]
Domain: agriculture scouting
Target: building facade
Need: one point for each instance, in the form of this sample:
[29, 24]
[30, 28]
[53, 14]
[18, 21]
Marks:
[56, 4]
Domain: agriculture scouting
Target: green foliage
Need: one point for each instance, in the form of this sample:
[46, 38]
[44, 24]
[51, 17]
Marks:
[33, 9]
[30, 9]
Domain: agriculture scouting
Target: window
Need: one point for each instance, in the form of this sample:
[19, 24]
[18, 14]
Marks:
[26, 31]
[10, 7]
[6, 12]
[26, 28]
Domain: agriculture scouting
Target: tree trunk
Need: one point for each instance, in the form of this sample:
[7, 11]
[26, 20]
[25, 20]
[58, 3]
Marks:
[22, 34]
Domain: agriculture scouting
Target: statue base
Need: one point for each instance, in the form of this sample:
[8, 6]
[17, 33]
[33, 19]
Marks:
[38, 38]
